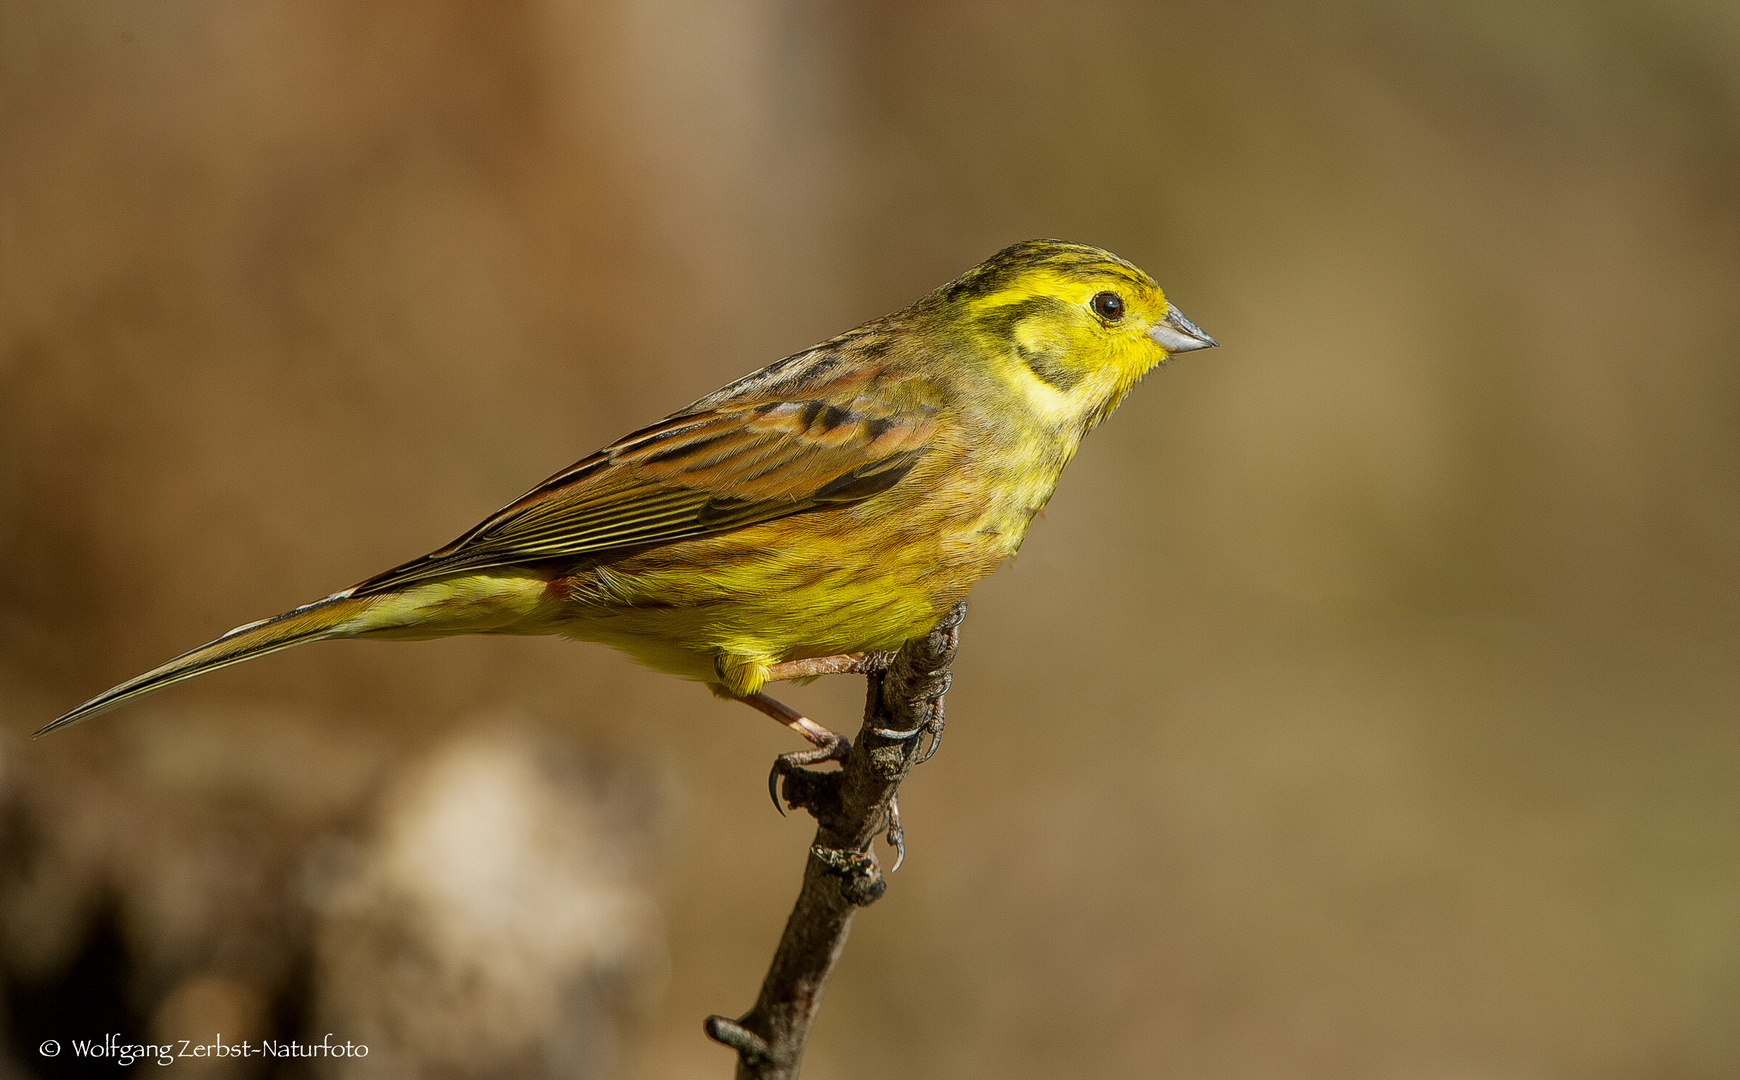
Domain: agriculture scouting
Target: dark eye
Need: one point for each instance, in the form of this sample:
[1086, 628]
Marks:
[1108, 306]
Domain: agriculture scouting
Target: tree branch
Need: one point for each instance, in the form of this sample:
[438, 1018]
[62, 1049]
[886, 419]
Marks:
[903, 701]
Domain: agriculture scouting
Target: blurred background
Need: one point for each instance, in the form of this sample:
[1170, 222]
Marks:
[1363, 707]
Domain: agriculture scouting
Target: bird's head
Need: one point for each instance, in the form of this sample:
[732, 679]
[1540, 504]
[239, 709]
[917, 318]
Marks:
[1075, 326]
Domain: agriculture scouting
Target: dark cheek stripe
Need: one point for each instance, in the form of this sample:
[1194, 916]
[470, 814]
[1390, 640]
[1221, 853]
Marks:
[1050, 367]
[1003, 323]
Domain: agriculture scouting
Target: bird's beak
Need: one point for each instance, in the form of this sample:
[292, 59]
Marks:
[1177, 334]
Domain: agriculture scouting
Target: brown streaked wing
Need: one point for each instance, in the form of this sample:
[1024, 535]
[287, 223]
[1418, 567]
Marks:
[696, 473]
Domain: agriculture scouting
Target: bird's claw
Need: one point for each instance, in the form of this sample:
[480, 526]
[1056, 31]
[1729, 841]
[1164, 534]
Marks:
[935, 728]
[896, 837]
[895, 736]
[932, 727]
[839, 749]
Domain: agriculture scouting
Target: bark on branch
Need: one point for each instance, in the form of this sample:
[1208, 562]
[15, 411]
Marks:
[853, 806]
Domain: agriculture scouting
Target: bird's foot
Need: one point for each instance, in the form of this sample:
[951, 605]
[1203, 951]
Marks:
[834, 747]
[829, 746]
[932, 727]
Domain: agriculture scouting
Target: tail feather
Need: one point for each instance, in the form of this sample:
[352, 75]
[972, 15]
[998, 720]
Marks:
[323, 619]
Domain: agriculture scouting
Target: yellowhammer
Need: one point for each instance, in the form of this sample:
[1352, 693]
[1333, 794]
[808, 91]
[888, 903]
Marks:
[831, 505]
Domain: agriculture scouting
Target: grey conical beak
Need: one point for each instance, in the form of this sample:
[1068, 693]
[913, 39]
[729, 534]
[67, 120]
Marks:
[1177, 334]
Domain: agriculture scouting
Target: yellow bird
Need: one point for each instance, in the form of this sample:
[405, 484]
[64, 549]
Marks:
[833, 504]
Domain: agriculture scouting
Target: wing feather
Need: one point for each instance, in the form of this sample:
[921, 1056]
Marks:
[721, 464]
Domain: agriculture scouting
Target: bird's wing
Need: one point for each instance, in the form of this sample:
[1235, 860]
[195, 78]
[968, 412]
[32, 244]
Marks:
[724, 463]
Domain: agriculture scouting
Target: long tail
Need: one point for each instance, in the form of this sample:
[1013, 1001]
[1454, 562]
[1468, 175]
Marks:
[322, 619]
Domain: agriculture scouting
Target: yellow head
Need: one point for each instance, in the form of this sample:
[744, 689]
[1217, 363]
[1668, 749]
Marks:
[1074, 326]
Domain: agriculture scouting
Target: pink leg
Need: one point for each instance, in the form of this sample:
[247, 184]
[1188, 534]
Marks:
[847, 664]
[818, 735]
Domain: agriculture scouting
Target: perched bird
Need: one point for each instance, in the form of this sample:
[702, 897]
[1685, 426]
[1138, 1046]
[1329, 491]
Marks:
[832, 505]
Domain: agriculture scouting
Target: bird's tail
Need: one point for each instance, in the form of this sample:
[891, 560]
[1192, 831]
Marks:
[323, 619]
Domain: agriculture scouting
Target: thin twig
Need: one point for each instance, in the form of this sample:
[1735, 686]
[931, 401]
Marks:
[851, 807]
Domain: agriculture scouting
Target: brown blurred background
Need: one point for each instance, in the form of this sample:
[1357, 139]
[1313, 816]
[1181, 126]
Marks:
[1363, 708]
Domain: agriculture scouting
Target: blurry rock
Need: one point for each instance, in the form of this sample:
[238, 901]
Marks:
[494, 922]
[214, 881]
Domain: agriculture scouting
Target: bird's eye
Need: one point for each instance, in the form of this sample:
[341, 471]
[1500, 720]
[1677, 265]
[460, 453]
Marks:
[1108, 306]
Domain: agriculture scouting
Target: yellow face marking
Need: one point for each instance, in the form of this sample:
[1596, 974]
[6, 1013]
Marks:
[1069, 359]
